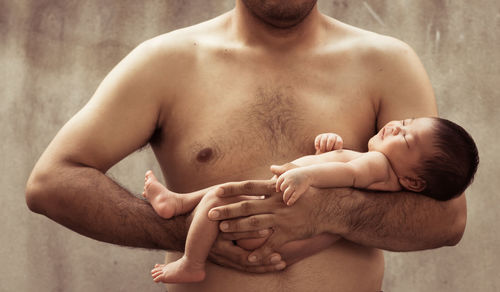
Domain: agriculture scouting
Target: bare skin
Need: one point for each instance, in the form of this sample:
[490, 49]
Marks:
[166, 203]
[191, 267]
[202, 232]
[259, 95]
[389, 164]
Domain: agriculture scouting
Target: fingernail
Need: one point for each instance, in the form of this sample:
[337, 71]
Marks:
[214, 214]
[275, 259]
[252, 259]
[224, 226]
[264, 232]
[280, 266]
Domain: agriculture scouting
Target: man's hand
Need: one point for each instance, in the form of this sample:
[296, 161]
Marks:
[297, 222]
[225, 253]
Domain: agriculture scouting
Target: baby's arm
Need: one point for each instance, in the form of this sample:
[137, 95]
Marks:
[368, 170]
[325, 144]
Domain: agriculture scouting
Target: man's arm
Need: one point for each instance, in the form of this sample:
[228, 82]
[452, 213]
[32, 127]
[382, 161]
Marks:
[404, 220]
[68, 183]
[392, 221]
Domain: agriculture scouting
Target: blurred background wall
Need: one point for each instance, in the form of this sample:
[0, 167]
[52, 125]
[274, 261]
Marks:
[54, 53]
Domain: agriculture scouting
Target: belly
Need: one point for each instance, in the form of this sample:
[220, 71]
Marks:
[342, 267]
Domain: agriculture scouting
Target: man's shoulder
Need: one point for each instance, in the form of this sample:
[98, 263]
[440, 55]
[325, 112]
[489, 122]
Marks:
[186, 41]
[366, 45]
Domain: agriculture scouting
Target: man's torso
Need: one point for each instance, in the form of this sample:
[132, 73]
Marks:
[235, 110]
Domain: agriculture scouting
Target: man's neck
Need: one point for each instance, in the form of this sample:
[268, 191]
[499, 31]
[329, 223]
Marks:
[255, 32]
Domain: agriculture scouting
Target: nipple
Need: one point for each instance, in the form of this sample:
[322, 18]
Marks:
[204, 155]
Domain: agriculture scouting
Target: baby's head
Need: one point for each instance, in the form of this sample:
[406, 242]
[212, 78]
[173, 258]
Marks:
[450, 169]
[433, 156]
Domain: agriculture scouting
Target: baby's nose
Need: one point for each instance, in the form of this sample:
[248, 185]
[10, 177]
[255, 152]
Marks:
[396, 130]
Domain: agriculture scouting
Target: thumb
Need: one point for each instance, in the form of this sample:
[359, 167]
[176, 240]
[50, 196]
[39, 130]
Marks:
[280, 169]
[262, 254]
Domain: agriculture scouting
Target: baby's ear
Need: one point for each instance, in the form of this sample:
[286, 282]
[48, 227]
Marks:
[414, 184]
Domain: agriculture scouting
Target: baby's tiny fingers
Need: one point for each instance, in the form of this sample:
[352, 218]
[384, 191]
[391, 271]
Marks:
[279, 183]
[323, 143]
[317, 142]
[295, 196]
[284, 185]
[339, 143]
[331, 143]
[287, 194]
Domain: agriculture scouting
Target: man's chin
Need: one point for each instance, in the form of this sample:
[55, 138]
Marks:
[284, 15]
[283, 24]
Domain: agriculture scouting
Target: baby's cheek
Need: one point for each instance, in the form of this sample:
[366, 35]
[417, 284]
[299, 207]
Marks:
[251, 243]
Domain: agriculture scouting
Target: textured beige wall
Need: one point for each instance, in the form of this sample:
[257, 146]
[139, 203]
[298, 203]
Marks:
[54, 53]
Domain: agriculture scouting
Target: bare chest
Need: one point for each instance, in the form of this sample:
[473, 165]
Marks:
[233, 129]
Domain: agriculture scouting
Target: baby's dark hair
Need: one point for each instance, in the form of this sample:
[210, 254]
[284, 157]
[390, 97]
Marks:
[451, 168]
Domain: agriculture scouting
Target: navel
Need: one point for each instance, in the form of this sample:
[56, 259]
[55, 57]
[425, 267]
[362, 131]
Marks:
[205, 155]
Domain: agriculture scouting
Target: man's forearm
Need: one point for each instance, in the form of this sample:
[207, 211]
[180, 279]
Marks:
[88, 202]
[393, 221]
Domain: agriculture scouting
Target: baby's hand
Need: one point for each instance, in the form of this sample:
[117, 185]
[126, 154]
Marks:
[327, 142]
[293, 184]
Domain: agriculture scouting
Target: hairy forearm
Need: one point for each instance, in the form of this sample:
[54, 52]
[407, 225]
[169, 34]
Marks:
[393, 221]
[88, 202]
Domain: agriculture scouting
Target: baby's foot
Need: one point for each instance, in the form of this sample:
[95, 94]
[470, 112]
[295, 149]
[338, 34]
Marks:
[166, 203]
[179, 271]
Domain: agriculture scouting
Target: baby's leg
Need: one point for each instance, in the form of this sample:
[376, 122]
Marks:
[201, 236]
[167, 203]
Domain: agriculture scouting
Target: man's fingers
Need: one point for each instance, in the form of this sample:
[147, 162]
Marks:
[231, 252]
[278, 169]
[245, 235]
[226, 254]
[252, 223]
[264, 252]
[220, 260]
[242, 209]
[249, 188]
